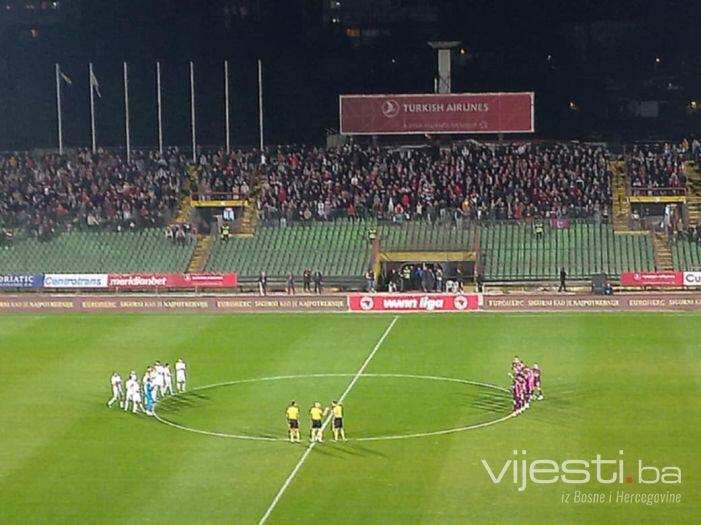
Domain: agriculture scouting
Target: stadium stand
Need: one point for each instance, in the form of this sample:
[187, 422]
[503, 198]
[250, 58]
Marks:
[422, 235]
[496, 181]
[338, 249]
[515, 252]
[686, 254]
[471, 197]
[655, 168]
[43, 193]
[146, 250]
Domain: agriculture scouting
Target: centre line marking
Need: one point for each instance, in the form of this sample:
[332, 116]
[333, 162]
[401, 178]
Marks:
[304, 457]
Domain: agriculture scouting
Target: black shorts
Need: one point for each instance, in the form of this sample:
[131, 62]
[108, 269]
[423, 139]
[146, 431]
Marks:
[338, 422]
[316, 423]
[294, 424]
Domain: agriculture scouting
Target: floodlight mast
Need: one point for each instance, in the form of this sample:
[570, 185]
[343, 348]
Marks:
[444, 48]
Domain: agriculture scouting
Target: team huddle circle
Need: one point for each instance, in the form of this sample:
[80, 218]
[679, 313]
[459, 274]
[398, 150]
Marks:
[255, 409]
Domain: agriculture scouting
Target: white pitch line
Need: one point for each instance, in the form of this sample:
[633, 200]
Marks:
[369, 438]
[307, 452]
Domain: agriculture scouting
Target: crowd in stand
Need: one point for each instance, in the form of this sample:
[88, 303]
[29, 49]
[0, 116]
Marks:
[44, 193]
[222, 175]
[653, 170]
[472, 180]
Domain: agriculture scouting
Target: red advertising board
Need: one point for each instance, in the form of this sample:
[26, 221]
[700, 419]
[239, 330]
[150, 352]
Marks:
[436, 113]
[412, 302]
[652, 279]
[172, 280]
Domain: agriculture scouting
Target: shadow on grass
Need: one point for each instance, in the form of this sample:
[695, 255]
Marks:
[171, 405]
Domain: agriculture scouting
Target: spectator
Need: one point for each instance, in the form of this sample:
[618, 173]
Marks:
[263, 284]
[563, 277]
[290, 285]
[307, 279]
[439, 279]
[393, 282]
[370, 280]
[318, 281]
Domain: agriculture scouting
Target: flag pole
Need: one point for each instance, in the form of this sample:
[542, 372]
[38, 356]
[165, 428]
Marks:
[92, 110]
[192, 112]
[260, 102]
[58, 110]
[160, 115]
[226, 105]
[126, 112]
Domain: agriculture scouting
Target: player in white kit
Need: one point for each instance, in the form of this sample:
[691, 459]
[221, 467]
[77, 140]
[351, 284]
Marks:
[117, 391]
[180, 374]
[147, 376]
[136, 398]
[167, 380]
[159, 380]
[130, 392]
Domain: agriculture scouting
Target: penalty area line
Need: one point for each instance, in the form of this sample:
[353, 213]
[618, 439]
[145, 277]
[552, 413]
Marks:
[307, 452]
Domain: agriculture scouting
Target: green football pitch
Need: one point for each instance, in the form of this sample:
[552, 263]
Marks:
[425, 409]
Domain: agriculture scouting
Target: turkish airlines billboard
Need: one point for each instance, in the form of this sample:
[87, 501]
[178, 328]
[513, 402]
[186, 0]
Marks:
[436, 113]
[412, 302]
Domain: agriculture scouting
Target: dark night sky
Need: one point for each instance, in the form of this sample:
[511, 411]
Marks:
[601, 52]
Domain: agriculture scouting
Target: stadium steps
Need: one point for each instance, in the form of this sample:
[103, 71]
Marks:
[693, 187]
[619, 188]
[250, 219]
[663, 254]
[250, 211]
[184, 210]
[200, 254]
[185, 204]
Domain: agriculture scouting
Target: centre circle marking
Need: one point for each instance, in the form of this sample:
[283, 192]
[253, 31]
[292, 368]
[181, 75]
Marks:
[370, 438]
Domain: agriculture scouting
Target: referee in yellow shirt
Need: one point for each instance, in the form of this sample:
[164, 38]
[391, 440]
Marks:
[337, 413]
[317, 414]
[292, 415]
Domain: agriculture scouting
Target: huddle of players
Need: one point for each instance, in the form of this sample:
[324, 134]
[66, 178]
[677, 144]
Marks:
[525, 384]
[317, 414]
[156, 382]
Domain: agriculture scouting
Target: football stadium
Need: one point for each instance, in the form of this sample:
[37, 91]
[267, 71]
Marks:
[349, 261]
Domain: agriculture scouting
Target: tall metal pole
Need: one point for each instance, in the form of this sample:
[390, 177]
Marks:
[192, 112]
[58, 110]
[160, 114]
[92, 110]
[260, 103]
[126, 112]
[226, 105]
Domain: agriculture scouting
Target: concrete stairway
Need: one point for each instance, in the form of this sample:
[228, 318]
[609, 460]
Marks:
[663, 255]
[200, 254]
[693, 190]
[250, 211]
[619, 197]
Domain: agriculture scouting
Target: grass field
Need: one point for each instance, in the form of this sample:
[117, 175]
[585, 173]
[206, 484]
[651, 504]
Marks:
[612, 382]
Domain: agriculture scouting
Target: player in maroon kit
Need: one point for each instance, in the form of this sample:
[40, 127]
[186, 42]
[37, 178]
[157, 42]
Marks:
[517, 391]
[525, 384]
[536, 377]
[530, 384]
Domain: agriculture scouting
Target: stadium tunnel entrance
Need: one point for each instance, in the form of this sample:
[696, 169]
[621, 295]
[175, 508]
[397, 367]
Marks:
[425, 271]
